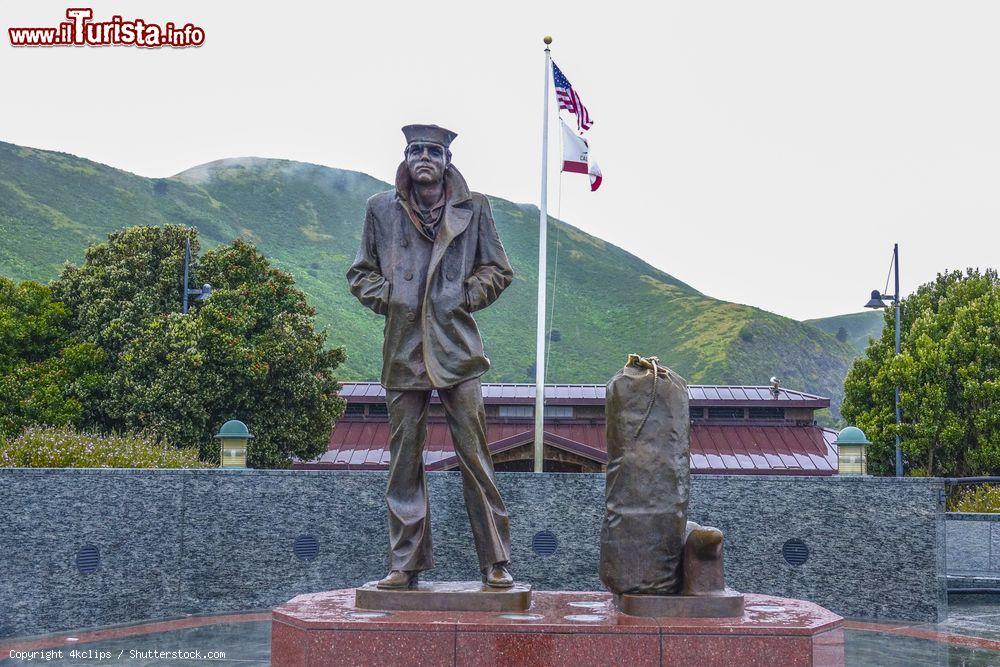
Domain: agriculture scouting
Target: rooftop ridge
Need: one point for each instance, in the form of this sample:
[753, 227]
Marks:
[700, 394]
[601, 384]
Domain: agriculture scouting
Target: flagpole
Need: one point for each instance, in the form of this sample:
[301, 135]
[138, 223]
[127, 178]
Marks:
[542, 256]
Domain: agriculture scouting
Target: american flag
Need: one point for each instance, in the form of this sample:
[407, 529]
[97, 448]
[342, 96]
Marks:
[569, 100]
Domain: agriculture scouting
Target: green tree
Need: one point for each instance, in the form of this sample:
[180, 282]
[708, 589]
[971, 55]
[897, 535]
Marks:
[46, 377]
[948, 372]
[250, 352]
[124, 282]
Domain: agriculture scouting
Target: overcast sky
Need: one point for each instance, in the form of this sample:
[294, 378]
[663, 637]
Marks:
[764, 152]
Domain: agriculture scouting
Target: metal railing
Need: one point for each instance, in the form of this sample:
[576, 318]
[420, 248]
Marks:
[962, 481]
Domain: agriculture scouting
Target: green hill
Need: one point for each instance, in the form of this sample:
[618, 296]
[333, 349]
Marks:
[857, 327]
[307, 219]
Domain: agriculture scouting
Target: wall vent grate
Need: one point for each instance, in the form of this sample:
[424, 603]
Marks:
[88, 559]
[544, 543]
[795, 552]
[306, 548]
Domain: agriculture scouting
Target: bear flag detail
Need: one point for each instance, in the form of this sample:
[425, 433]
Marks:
[576, 156]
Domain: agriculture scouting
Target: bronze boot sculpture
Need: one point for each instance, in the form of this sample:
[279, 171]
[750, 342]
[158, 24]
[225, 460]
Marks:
[702, 561]
[398, 579]
[498, 576]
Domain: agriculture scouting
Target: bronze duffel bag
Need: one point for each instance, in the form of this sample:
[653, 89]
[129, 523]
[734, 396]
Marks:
[648, 480]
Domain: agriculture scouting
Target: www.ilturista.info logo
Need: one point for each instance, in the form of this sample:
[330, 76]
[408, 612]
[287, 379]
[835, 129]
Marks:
[80, 30]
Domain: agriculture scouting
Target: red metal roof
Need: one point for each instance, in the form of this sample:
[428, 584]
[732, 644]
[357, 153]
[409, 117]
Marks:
[594, 394]
[715, 448]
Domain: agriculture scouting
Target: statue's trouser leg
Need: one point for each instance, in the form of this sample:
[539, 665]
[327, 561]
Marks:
[406, 491]
[463, 404]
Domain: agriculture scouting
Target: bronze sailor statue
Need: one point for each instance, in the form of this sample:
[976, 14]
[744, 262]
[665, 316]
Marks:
[430, 256]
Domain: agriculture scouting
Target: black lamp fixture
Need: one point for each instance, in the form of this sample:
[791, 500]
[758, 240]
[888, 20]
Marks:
[877, 300]
[199, 294]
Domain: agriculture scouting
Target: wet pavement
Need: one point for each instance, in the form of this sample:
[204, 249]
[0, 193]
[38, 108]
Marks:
[970, 636]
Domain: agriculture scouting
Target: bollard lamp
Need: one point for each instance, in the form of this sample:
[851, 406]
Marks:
[233, 437]
[851, 457]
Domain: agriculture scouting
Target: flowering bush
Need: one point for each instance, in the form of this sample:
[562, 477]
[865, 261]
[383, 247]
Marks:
[985, 498]
[63, 447]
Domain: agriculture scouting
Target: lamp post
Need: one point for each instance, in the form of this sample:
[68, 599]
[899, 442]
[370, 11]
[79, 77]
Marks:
[233, 437]
[199, 294]
[878, 301]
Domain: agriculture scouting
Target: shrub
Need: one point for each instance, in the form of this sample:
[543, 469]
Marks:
[985, 498]
[63, 447]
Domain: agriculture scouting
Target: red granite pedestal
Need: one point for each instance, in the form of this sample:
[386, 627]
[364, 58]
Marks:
[560, 628]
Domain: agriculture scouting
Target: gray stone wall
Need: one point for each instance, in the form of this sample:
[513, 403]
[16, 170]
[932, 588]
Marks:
[176, 542]
[973, 546]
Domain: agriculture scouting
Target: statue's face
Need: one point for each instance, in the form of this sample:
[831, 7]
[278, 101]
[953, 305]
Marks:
[426, 162]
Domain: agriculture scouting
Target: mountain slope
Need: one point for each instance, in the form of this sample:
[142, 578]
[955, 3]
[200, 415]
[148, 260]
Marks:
[307, 219]
[857, 327]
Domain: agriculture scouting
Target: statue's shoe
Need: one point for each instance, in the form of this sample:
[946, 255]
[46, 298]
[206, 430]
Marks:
[398, 579]
[498, 577]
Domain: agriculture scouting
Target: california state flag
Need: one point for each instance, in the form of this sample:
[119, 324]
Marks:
[576, 156]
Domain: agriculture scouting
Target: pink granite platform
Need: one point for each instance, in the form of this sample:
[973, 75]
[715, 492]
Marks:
[560, 628]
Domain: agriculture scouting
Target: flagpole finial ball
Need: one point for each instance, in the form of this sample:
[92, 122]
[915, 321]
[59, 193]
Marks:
[547, 39]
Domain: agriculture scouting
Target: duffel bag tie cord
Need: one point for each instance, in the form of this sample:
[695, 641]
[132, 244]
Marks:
[652, 363]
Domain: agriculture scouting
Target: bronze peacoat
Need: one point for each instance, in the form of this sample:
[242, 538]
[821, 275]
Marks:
[428, 289]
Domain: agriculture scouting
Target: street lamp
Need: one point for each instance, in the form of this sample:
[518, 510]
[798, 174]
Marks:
[878, 301]
[199, 294]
